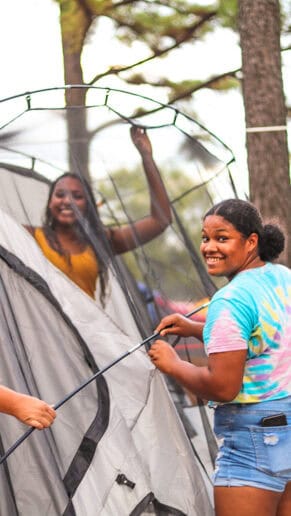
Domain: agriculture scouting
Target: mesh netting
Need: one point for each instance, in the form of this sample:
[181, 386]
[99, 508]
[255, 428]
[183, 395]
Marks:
[41, 138]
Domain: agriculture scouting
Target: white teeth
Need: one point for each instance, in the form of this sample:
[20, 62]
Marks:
[212, 259]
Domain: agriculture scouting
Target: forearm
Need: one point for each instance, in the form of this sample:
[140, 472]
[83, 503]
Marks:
[198, 380]
[142, 231]
[8, 400]
[160, 205]
[219, 380]
[28, 409]
[197, 330]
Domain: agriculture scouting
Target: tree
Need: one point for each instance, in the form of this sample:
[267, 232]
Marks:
[165, 25]
[265, 112]
[159, 25]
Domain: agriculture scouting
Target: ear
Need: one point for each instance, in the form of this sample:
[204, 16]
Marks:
[253, 241]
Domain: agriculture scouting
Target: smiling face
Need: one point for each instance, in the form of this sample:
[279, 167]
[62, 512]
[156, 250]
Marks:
[225, 250]
[68, 191]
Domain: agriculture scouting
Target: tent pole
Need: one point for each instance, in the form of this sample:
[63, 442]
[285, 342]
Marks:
[91, 379]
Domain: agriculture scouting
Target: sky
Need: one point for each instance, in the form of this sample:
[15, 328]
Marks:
[32, 59]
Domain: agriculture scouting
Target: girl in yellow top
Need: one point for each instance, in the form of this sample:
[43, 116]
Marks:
[65, 243]
[82, 267]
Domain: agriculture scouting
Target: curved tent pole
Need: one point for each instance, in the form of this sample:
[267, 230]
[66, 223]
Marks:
[107, 91]
[134, 119]
[91, 379]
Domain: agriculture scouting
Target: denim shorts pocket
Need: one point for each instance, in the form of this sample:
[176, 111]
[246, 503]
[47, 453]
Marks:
[273, 449]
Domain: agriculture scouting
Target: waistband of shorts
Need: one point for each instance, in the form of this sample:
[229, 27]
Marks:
[279, 405]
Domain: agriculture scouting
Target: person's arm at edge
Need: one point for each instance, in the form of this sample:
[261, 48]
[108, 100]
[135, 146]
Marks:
[28, 409]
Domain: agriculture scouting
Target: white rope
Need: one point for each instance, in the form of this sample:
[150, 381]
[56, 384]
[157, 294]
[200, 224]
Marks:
[266, 129]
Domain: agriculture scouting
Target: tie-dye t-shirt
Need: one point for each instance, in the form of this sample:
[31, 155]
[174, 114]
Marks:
[253, 312]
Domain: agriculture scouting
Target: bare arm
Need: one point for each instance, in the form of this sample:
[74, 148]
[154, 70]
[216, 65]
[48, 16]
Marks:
[144, 230]
[220, 380]
[27, 409]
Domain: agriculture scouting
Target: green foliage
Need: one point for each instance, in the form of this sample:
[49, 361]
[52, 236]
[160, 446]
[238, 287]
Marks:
[227, 13]
[224, 83]
[156, 23]
[161, 26]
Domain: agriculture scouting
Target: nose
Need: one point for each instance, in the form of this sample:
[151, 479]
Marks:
[67, 198]
[209, 246]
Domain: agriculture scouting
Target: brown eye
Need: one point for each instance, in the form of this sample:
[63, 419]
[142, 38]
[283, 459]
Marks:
[59, 194]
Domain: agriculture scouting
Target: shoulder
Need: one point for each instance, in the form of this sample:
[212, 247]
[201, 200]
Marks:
[36, 232]
[238, 290]
[30, 229]
[279, 270]
[248, 292]
[235, 301]
[269, 278]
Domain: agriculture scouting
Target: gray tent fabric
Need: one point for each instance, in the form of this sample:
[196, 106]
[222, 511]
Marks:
[53, 336]
[118, 447]
[18, 187]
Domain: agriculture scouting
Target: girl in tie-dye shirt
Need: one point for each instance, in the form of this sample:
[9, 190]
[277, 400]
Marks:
[247, 337]
[253, 312]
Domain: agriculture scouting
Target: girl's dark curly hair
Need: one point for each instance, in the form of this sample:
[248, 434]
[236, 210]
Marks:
[89, 230]
[245, 217]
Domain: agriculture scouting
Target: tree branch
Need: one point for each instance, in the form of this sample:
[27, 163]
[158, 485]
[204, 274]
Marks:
[182, 95]
[115, 70]
[194, 10]
[122, 3]
[205, 84]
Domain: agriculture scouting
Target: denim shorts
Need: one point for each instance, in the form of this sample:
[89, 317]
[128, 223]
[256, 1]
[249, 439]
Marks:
[250, 454]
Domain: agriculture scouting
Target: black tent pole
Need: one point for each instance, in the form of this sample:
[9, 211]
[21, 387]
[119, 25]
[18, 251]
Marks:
[91, 379]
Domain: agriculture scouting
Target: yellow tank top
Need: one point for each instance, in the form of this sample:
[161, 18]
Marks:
[82, 268]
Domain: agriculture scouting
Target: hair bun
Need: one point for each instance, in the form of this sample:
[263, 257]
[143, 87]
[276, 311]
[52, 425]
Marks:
[272, 242]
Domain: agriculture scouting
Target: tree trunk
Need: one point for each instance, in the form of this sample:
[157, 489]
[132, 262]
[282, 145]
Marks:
[75, 22]
[78, 137]
[268, 160]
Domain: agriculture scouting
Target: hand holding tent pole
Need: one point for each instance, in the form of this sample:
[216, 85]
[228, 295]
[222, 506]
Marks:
[91, 379]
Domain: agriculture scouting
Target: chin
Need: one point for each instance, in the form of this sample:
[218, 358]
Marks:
[66, 222]
[212, 272]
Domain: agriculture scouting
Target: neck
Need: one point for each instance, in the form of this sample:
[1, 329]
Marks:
[66, 231]
[251, 263]
[254, 262]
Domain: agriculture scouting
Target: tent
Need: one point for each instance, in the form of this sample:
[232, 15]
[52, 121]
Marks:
[119, 447]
